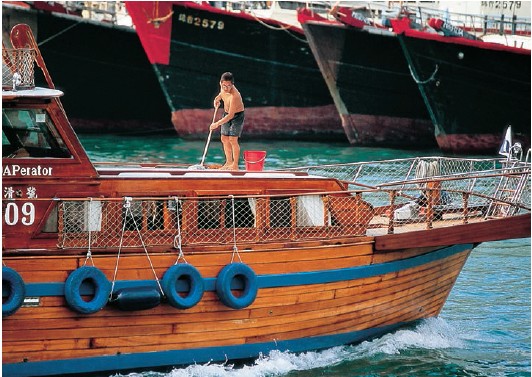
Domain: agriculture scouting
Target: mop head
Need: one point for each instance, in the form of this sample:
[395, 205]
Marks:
[204, 167]
[197, 167]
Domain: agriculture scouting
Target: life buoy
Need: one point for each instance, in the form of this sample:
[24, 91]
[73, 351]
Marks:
[13, 283]
[73, 295]
[248, 278]
[189, 275]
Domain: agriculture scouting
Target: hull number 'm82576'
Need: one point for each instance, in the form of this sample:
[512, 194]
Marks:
[201, 22]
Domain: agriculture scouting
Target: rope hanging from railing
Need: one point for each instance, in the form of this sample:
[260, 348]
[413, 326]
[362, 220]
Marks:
[178, 238]
[235, 248]
[281, 28]
[127, 207]
[89, 253]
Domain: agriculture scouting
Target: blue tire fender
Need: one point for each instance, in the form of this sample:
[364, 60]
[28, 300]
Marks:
[187, 274]
[225, 278]
[13, 283]
[73, 294]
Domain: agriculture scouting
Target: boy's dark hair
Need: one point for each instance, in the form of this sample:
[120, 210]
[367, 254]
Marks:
[227, 76]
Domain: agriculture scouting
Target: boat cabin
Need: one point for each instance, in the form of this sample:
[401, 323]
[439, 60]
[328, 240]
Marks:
[56, 197]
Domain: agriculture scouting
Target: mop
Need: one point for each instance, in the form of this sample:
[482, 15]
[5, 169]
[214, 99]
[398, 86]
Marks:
[201, 166]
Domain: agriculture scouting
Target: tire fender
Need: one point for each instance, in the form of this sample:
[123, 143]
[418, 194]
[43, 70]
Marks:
[176, 274]
[12, 281]
[223, 285]
[73, 294]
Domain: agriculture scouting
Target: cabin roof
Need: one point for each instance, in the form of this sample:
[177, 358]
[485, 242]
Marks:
[36, 92]
[152, 172]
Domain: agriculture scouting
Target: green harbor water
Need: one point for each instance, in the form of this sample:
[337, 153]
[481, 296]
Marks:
[483, 330]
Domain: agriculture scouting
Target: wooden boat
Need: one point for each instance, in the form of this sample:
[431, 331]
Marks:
[88, 57]
[117, 267]
[281, 85]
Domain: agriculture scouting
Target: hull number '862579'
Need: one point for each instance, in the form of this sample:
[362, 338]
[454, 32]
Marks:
[205, 23]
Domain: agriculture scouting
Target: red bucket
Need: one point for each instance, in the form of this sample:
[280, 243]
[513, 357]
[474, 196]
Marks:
[254, 160]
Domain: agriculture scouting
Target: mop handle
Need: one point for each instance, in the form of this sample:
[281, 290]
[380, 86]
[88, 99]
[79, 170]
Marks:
[206, 147]
[208, 138]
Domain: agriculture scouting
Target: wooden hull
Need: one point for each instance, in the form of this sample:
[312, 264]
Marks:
[308, 298]
[286, 260]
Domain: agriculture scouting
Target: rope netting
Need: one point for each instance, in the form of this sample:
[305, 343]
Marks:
[18, 68]
[428, 193]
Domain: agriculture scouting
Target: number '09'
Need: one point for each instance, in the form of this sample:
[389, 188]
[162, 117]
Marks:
[26, 214]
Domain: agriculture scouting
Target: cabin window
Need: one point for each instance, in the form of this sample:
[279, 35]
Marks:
[280, 213]
[50, 226]
[209, 214]
[213, 213]
[244, 213]
[82, 216]
[310, 211]
[148, 215]
[154, 215]
[30, 133]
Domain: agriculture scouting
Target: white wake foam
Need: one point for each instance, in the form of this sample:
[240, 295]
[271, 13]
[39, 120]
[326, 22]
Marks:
[433, 333]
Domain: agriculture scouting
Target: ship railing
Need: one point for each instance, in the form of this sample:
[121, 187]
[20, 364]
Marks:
[113, 12]
[18, 68]
[374, 173]
[187, 220]
[478, 24]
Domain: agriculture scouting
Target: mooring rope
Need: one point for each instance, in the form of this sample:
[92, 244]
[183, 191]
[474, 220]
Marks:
[423, 82]
[235, 248]
[282, 28]
[269, 26]
[58, 34]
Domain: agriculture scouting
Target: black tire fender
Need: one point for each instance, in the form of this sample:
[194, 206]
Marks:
[225, 279]
[13, 282]
[190, 275]
[73, 294]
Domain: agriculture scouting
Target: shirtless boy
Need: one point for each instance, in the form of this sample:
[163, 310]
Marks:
[232, 121]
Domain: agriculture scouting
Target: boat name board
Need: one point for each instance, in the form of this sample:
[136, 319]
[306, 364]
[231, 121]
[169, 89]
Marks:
[17, 170]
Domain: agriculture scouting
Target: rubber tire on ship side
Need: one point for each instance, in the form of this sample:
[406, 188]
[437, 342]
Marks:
[102, 290]
[223, 285]
[170, 280]
[17, 291]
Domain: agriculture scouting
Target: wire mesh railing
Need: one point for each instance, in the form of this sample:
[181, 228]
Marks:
[429, 198]
[18, 68]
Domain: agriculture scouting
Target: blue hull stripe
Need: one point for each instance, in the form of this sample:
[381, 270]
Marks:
[159, 359]
[202, 355]
[282, 280]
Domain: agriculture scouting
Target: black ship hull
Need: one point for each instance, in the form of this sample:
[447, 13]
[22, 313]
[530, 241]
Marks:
[96, 62]
[472, 89]
[368, 78]
[281, 85]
